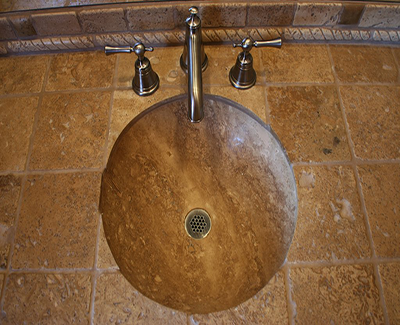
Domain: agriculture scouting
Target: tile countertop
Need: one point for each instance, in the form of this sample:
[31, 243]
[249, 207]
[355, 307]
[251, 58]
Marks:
[335, 108]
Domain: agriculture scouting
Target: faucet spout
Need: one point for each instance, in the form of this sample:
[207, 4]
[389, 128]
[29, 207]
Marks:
[193, 62]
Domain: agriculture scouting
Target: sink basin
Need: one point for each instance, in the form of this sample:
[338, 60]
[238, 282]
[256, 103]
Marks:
[229, 173]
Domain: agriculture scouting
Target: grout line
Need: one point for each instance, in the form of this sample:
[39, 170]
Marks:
[312, 264]
[357, 162]
[94, 271]
[378, 283]
[288, 287]
[267, 110]
[22, 189]
[397, 64]
[115, 79]
[360, 192]
[51, 171]
[51, 271]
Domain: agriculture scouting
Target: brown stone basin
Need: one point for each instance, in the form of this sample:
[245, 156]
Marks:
[232, 166]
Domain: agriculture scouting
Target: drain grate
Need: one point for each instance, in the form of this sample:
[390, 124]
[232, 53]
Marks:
[198, 223]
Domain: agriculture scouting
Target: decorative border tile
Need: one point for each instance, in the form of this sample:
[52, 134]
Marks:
[82, 28]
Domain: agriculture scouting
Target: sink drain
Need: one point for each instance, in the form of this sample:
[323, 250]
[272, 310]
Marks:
[198, 223]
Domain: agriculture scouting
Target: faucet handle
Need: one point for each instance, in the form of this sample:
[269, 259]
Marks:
[247, 44]
[146, 81]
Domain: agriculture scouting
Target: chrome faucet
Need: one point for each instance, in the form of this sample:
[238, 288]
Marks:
[193, 62]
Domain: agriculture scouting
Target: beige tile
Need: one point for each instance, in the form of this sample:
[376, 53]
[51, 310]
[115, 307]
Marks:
[128, 105]
[47, 299]
[390, 275]
[396, 52]
[336, 295]
[10, 187]
[220, 61]
[117, 302]
[381, 16]
[58, 222]
[6, 31]
[56, 23]
[380, 185]
[214, 15]
[170, 74]
[71, 131]
[308, 121]
[297, 63]
[23, 25]
[22, 75]
[102, 20]
[351, 13]
[374, 120]
[330, 224]
[317, 14]
[105, 259]
[81, 70]
[270, 14]
[268, 304]
[150, 17]
[16, 124]
[364, 63]
[252, 99]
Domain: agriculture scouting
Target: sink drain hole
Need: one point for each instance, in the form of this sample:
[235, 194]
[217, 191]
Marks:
[198, 223]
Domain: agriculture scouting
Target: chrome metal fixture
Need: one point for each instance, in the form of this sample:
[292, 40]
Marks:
[146, 81]
[193, 62]
[242, 74]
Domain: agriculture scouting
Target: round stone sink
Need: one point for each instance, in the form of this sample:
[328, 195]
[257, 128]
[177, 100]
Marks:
[198, 216]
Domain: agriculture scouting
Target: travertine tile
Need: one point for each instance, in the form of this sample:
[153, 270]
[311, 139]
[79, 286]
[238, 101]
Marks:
[47, 299]
[297, 63]
[380, 185]
[252, 99]
[270, 14]
[81, 70]
[220, 61]
[150, 18]
[336, 295]
[10, 187]
[102, 20]
[6, 32]
[266, 307]
[127, 105]
[381, 16]
[364, 63]
[170, 74]
[71, 131]
[390, 275]
[308, 121]
[214, 15]
[61, 23]
[16, 123]
[330, 210]
[57, 225]
[22, 75]
[105, 259]
[317, 14]
[23, 25]
[117, 302]
[374, 120]
[351, 13]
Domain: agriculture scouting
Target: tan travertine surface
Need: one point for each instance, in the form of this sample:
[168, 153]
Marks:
[309, 121]
[374, 120]
[391, 283]
[16, 115]
[381, 186]
[62, 203]
[161, 167]
[344, 294]
[330, 210]
[48, 298]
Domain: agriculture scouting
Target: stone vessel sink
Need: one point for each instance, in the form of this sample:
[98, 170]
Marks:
[232, 166]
